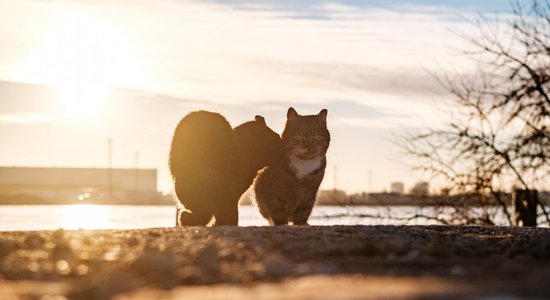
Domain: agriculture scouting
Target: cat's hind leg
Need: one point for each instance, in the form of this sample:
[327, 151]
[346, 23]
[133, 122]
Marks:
[227, 214]
[197, 217]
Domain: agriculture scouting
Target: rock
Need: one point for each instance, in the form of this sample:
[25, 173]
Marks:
[541, 247]
[157, 268]
[62, 251]
[208, 263]
[154, 234]
[277, 266]
[374, 247]
[116, 281]
[34, 241]
[399, 245]
[438, 248]
[7, 247]
[318, 268]
[58, 236]
[63, 267]
[132, 241]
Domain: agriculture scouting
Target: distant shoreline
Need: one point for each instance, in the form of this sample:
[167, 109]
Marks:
[324, 198]
[244, 204]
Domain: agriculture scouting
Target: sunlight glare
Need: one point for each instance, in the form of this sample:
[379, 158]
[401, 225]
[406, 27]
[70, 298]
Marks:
[85, 216]
[83, 55]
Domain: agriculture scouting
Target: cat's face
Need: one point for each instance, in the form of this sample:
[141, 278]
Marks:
[306, 137]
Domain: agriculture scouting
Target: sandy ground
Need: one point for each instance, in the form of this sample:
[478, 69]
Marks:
[336, 262]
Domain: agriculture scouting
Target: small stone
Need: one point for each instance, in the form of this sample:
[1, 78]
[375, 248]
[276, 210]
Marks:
[374, 247]
[399, 246]
[7, 247]
[63, 267]
[83, 255]
[113, 253]
[53, 297]
[540, 247]
[191, 274]
[208, 262]
[58, 236]
[457, 270]
[61, 251]
[154, 234]
[156, 267]
[132, 241]
[47, 267]
[34, 241]
[438, 248]
[34, 266]
[276, 265]
[82, 269]
[227, 254]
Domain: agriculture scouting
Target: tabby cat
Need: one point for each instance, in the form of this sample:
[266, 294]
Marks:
[285, 190]
[212, 165]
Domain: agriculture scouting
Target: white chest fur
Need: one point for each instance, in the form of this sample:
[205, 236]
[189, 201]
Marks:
[303, 167]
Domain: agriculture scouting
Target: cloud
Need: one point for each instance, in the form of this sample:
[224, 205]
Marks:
[238, 52]
[361, 78]
[26, 118]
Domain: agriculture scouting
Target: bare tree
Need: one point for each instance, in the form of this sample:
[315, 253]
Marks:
[499, 129]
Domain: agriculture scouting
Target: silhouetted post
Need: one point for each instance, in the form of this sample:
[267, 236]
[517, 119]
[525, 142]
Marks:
[335, 168]
[525, 205]
[110, 169]
[370, 181]
[137, 171]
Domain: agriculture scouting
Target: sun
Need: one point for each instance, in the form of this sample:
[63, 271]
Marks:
[82, 56]
[85, 51]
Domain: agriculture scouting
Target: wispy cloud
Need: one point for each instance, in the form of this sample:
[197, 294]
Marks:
[26, 118]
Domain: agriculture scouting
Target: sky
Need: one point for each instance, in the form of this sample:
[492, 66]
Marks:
[74, 74]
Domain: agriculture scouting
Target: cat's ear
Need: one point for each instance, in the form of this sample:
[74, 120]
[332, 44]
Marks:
[323, 115]
[260, 119]
[291, 114]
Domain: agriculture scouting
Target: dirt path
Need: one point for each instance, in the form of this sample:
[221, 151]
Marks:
[347, 262]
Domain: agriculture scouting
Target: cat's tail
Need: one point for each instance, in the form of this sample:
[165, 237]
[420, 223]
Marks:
[248, 197]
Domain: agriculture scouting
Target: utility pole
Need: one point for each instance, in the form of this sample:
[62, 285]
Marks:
[335, 174]
[137, 170]
[370, 181]
[110, 168]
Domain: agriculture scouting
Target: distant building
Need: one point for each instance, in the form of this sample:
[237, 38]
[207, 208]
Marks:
[421, 189]
[397, 188]
[331, 197]
[97, 185]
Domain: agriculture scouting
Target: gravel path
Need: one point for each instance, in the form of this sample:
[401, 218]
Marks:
[326, 262]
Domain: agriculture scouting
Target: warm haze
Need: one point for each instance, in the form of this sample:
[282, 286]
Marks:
[75, 73]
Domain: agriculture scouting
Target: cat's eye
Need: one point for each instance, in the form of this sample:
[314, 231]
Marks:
[316, 137]
[298, 137]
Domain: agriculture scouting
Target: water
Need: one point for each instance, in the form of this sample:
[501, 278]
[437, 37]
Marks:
[50, 217]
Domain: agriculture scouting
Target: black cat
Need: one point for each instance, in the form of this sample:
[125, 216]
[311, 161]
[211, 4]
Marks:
[212, 165]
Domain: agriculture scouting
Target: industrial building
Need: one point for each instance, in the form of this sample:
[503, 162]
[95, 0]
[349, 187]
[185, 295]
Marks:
[397, 188]
[68, 185]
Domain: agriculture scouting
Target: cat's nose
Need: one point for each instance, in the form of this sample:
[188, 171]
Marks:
[311, 148]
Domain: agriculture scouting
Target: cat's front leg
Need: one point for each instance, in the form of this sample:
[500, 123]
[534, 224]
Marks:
[278, 219]
[227, 214]
[301, 215]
